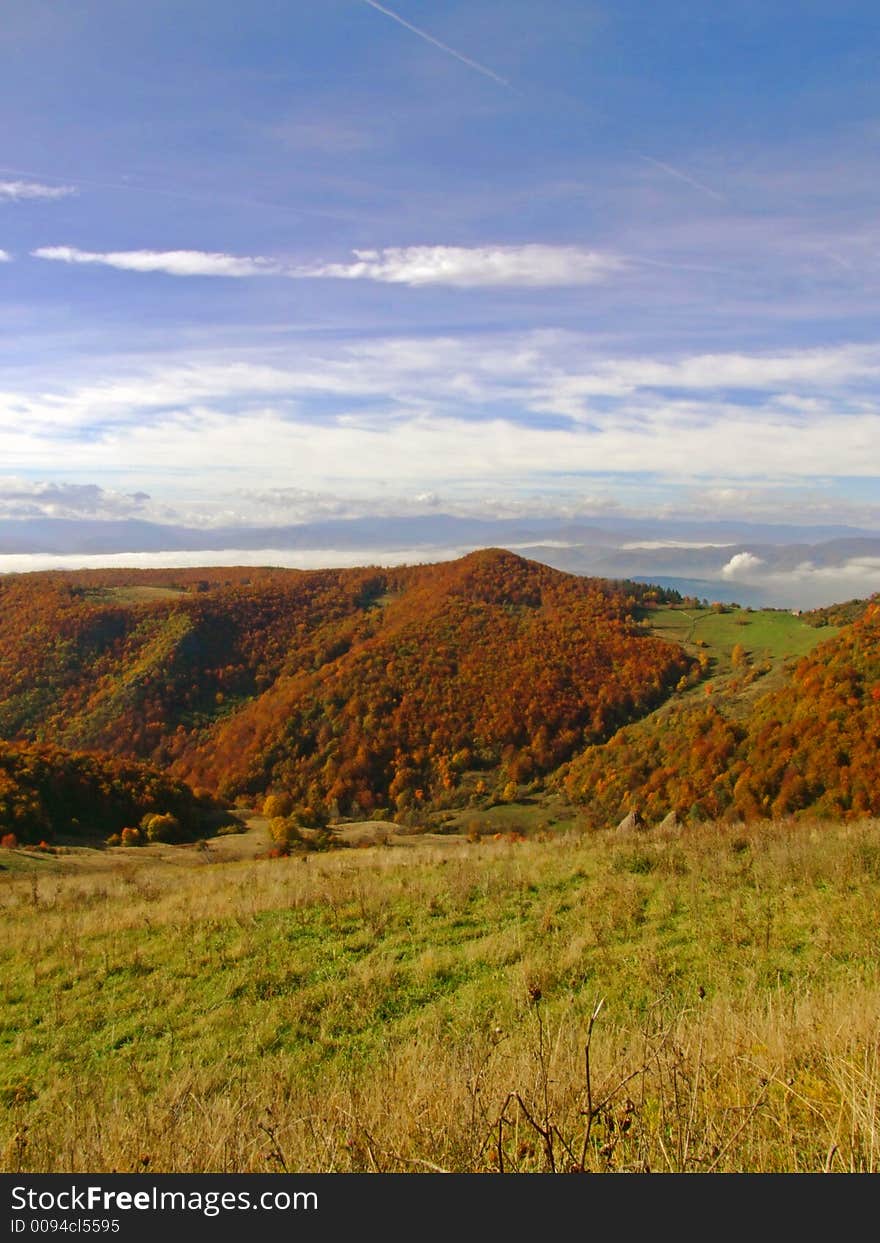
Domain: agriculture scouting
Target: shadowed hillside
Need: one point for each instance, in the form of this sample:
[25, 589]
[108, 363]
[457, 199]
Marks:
[45, 791]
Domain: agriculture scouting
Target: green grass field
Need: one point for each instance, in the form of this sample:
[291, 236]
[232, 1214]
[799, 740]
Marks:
[765, 634]
[770, 640]
[135, 594]
[428, 1007]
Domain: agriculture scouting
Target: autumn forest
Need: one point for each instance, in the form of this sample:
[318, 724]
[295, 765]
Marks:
[376, 692]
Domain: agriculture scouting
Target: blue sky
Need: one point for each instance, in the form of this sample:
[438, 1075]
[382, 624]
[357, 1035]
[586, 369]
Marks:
[283, 260]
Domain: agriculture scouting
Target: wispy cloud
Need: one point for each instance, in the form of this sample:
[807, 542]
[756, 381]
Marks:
[5, 256]
[532, 373]
[799, 383]
[461, 266]
[444, 47]
[171, 262]
[18, 191]
[473, 266]
[280, 444]
[360, 414]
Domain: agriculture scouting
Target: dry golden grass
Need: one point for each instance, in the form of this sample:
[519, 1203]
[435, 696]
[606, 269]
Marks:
[425, 1008]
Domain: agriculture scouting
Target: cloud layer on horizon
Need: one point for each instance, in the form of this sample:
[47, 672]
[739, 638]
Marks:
[520, 410]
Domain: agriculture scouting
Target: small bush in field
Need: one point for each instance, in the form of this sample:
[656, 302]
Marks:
[8, 841]
[161, 828]
[283, 830]
[276, 805]
[113, 840]
[131, 837]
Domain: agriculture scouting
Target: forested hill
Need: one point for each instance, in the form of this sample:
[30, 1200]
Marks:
[390, 691]
[361, 688]
[811, 746]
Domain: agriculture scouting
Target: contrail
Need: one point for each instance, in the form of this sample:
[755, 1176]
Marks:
[674, 172]
[444, 47]
[678, 267]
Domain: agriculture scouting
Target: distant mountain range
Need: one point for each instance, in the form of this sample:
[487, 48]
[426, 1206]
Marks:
[105, 535]
[758, 563]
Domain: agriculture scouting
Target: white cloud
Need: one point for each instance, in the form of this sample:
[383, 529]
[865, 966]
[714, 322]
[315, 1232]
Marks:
[26, 498]
[808, 585]
[568, 391]
[467, 267]
[459, 266]
[742, 566]
[656, 545]
[5, 256]
[171, 262]
[854, 568]
[810, 502]
[18, 191]
[248, 507]
[443, 415]
[716, 371]
[426, 450]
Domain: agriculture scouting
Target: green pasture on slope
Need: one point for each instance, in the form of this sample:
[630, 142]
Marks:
[765, 634]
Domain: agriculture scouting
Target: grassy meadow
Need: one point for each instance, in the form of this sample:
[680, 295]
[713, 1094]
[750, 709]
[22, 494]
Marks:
[768, 637]
[701, 1002]
[768, 634]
